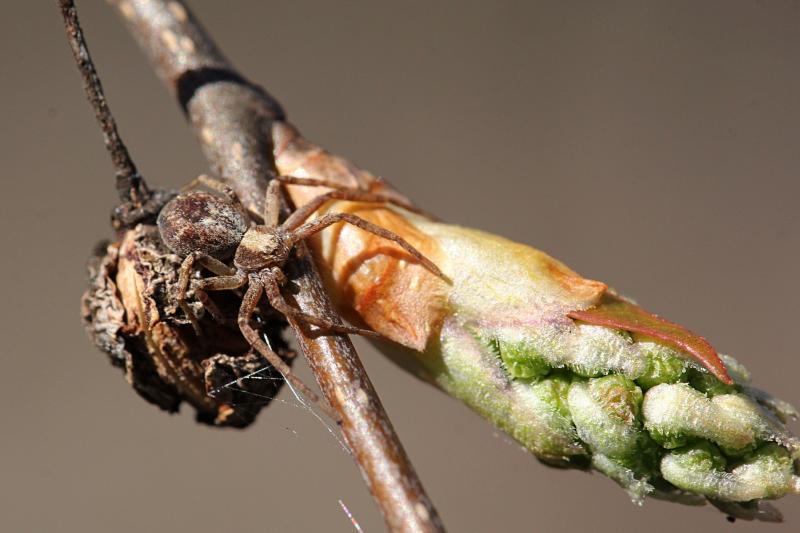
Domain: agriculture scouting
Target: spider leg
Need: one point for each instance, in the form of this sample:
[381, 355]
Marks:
[216, 266]
[290, 354]
[222, 283]
[272, 204]
[331, 184]
[218, 283]
[312, 182]
[310, 228]
[277, 301]
[351, 195]
[210, 306]
[184, 276]
[249, 303]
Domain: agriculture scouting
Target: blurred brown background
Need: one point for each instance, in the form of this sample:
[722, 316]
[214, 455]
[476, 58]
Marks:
[653, 145]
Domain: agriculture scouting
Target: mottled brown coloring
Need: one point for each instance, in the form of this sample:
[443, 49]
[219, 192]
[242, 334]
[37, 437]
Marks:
[201, 222]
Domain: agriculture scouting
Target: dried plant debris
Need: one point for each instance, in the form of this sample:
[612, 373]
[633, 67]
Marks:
[131, 314]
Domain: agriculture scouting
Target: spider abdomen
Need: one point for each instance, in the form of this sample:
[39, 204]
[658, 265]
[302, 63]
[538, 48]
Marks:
[202, 222]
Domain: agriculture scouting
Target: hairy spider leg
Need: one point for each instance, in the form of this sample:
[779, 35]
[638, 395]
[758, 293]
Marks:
[274, 278]
[276, 299]
[209, 305]
[331, 184]
[310, 228]
[217, 283]
[339, 193]
[249, 303]
[184, 277]
[272, 204]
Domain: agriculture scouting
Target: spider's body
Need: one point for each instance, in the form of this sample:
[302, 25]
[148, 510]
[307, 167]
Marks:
[208, 229]
[202, 222]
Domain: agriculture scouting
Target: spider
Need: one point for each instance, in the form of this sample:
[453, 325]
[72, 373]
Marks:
[208, 230]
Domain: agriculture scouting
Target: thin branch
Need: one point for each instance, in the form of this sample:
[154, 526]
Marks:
[131, 187]
[232, 119]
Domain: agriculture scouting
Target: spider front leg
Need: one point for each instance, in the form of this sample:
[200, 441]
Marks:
[272, 204]
[310, 228]
[331, 184]
[272, 287]
[339, 193]
[249, 303]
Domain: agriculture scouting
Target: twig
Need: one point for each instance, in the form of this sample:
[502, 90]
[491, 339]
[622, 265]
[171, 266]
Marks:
[232, 119]
[139, 202]
[131, 187]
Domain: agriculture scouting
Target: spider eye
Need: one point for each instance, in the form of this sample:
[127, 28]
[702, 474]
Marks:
[202, 222]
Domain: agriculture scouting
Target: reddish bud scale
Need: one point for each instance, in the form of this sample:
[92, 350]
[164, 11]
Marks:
[617, 313]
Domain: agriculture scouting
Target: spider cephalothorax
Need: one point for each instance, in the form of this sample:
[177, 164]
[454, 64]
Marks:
[262, 247]
[208, 229]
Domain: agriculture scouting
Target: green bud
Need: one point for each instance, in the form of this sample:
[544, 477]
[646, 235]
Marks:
[522, 361]
[663, 364]
[627, 478]
[606, 413]
[560, 363]
[596, 351]
[585, 350]
[636, 408]
[534, 413]
[733, 421]
[701, 468]
[708, 384]
[549, 431]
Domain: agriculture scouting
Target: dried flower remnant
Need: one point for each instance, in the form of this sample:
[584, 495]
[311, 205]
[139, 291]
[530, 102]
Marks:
[130, 314]
[128, 310]
[574, 372]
